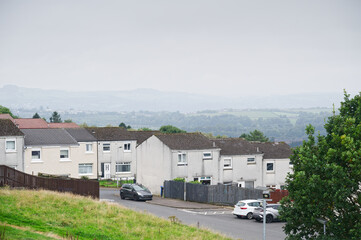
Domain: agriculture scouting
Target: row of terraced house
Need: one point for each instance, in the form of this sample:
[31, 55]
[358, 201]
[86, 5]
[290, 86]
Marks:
[149, 157]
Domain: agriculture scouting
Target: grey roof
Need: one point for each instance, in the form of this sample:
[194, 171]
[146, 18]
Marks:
[111, 133]
[8, 128]
[186, 141]
[274, 150]
[81, 135]
[141, 136]
[236, 146]
[48, 137]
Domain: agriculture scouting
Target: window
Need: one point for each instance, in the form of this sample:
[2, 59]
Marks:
[227, 163]
[122, 167]
[106, 147]
[64, 153]
[89, 147]
[270, 167]
[126, 147]
[85, 169]
[35, 155]
[10, 145]
[251, 160]
[182, 159]
[207, 155]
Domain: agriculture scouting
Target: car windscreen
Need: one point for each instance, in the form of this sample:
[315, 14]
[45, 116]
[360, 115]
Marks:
[241, 204]
[139, 188]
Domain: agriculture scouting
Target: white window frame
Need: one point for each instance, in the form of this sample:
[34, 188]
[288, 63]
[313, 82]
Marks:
[127, 147]
[123, 164]
[91, 148]
[207, 157]
[251, 162]
[182, 158]
[230, 163]
[103, 147]
[64, 159]
[85, 165]
[273, 167]
[10, 140]
[36, 159]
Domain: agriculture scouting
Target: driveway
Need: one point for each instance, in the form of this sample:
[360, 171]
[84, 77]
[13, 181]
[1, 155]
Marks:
[216, 218]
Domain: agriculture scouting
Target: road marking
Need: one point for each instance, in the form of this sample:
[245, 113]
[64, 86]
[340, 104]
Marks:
[206, 211]
[106, 200]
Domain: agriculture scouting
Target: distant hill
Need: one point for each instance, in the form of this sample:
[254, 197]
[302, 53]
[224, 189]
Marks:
[15, 97]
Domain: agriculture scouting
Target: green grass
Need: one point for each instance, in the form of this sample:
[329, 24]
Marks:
[64, 214]
[7, 233]
[112, 184]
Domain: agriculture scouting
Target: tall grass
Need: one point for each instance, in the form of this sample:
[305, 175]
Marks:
[83, 218]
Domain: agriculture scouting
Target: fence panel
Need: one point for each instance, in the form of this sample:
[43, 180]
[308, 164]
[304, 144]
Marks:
[197, 193]
[15, 178]
[174, 189]
[277, 195]
[217, 194]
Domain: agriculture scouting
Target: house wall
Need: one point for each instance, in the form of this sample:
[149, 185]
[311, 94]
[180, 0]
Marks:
[156, 163]
[117, 154]
[242, 171]
[50, 162]
[196, 166]
[153, 164]
[277, 177]
[12, 159]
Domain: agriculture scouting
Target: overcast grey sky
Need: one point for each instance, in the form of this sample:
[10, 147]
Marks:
[197, 46]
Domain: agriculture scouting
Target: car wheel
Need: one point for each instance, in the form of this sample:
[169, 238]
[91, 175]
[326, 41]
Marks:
[122, 196]
[249, 215]
[269, 218]
[135, 197]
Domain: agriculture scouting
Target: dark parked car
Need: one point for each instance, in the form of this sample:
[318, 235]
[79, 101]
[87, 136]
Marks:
[135, 192]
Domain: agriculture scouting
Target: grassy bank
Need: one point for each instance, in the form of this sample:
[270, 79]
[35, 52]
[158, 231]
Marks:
[57, 214]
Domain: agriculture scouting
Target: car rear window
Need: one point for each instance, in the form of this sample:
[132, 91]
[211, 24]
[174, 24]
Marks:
[241, 204]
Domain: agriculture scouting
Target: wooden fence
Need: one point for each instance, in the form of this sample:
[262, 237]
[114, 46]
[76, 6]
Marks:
[15, 178]
[217, 194]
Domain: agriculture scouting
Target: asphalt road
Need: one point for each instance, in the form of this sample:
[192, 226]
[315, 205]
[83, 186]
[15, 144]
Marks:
[217, 220]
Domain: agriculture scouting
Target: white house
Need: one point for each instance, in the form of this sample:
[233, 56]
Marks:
[191, 156]
[56, 152]
[11, 145]
[254, 164]
[117, 151]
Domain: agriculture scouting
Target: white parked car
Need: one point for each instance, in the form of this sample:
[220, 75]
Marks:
[245, 208]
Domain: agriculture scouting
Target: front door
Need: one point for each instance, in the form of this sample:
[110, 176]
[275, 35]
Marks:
[107, 170]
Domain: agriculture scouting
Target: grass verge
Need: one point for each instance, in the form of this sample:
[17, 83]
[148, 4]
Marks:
[67, 215]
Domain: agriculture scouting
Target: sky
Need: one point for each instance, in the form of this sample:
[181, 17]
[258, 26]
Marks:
[225, 48]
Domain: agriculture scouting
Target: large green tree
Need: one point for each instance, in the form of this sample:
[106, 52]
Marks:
[5, 110]
[326, 179]
[55, 118]
[170, 129]
[255, 135]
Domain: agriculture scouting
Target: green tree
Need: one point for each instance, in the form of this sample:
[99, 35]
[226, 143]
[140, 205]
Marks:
[255, 135]
[171, 129]
[5, 110]
[36, 115]
[145, 129]
[326, 179]
[123, 125]
[68, 121]
[55, 118]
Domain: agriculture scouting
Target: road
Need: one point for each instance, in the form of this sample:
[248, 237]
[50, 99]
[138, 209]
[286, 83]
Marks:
[218, 220]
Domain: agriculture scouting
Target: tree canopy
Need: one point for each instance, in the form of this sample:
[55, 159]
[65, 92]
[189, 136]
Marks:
[170, 129]
[5, 110]
[123, 125]
[326, 179]
[55, 118]
[36, 115]
[255, 135]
